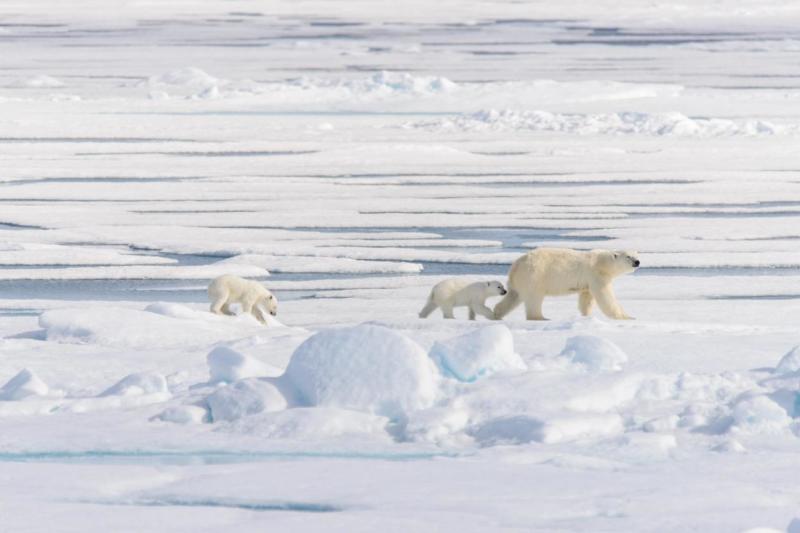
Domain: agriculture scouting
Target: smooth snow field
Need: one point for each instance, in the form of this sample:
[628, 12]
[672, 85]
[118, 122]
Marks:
[350, 154]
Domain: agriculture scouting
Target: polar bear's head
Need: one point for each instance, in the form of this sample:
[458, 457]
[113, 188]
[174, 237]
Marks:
[270, 303]
[613, 263]
[495, 288]
[625, 261]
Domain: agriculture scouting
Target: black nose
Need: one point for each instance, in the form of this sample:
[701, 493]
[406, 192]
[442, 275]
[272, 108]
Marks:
[636, 263]
[273, 313]
[502, 292]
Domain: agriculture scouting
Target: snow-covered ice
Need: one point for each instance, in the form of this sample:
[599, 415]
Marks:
[349, 155]
[478, 354]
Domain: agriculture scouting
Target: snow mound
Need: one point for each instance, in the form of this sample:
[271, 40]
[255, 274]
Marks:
[243, 398]
[624, 123]
[41, 81]
[594, 353]
[315, 423]
[789, 362]
[138, 384]
[225, 364]
[367, 368]
[478, 354]
[759, 414]
[184, 414]
[25, 384]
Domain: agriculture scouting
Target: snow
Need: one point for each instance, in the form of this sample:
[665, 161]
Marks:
[184, 414]
[243, 398]
[23, 385]
[594, 353]
[478, 354]
[625, 123]
[138, 384]
[225, 364]
[350, 155]
[789, 362]
[366, 368]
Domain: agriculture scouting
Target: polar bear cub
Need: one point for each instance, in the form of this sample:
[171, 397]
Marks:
[251, 295]
[455, 292]
[558, 271]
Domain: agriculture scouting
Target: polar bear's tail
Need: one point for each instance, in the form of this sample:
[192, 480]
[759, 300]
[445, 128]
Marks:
[430, 305]
[509, 302]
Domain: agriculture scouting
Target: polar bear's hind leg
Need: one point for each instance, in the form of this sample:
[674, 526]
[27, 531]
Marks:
[533, 307]
[585, 302]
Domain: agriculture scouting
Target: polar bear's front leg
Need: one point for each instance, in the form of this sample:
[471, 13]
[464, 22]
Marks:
[480, 309]
[430, 307]
[606, 300]
[585, 303]
[220, 306]
[249, 306]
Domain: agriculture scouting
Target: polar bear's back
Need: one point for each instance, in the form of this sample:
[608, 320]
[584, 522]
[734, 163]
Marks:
[233, 286]
[450, 290]
[551, 271]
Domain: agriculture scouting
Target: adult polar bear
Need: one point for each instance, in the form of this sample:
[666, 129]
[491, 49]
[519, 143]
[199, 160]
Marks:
[559, 271]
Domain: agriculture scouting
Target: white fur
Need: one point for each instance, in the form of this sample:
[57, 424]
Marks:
[558, 271]
[455, 292]
[251, 295]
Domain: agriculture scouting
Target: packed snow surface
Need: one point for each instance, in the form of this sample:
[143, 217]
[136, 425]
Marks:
[349, 156]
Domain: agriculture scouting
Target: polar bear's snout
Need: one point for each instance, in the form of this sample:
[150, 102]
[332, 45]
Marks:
[636, 263]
